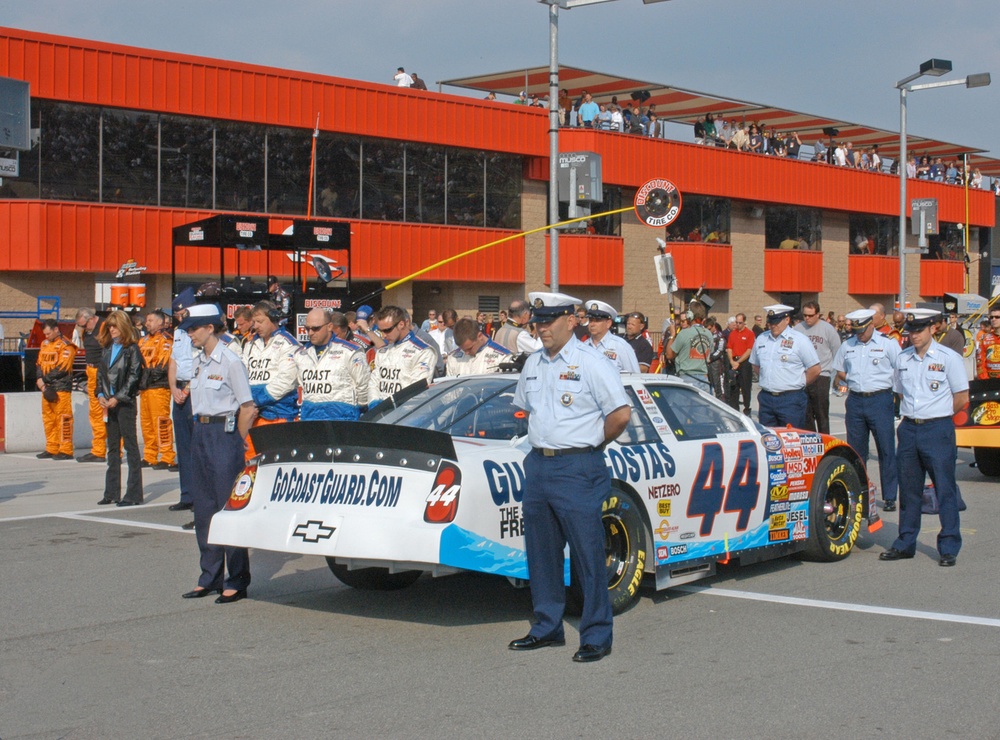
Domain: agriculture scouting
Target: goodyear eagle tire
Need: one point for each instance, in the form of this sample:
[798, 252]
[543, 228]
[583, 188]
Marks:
[373, 579]
[625, 547]
[988, 460]
[835, 506]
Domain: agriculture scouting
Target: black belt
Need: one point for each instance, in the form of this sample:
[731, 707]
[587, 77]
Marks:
[545, 452]
[182, 384]
[925, 421]
[869, 394]
[203, 419]
[782, 393]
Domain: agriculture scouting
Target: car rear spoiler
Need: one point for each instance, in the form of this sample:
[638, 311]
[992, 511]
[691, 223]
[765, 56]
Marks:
[317, 436]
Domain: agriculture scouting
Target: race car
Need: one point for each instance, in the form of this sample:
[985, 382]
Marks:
[433, 480]
[978, 426]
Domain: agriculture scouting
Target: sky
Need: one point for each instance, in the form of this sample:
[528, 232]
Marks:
[835, 58]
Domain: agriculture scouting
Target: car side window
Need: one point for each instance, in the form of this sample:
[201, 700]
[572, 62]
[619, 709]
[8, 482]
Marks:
[692, 417]
[640, 429]
[495, 418]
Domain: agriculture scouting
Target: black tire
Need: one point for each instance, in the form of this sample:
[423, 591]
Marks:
[625, 546]
[988, 460]
[373, 579]
[835, 506]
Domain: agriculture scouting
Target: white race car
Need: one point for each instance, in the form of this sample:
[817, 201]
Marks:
[433, 481]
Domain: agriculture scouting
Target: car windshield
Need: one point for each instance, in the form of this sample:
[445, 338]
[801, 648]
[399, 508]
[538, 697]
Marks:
[480, 407]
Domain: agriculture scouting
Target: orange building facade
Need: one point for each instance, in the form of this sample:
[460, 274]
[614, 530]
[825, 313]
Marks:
[128, 143]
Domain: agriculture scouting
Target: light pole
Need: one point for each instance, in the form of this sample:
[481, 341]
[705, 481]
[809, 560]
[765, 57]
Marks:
[554, 6]
[933, 68]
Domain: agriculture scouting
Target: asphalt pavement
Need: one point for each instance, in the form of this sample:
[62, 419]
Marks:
[97, 642]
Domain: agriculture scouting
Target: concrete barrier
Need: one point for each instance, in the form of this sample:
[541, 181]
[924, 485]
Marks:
[22, 423]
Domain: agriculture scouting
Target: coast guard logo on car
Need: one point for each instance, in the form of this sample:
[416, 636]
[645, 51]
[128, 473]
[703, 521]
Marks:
[313, 531]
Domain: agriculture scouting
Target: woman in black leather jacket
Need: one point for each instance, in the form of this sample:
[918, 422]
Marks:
[117, 391]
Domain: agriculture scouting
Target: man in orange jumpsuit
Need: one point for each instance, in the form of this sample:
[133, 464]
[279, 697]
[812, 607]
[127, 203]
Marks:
[88, 326]
[988, 350]
[55, 380]
[154, 398]
[882, 325]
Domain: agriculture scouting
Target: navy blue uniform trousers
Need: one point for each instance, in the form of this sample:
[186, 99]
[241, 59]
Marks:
[183, 424]
[562, 503]
[779, 411]
[874, 414]
[927, 449]
[217, 460]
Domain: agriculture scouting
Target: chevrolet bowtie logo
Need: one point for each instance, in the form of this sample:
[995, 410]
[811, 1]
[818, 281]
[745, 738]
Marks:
[313, 531]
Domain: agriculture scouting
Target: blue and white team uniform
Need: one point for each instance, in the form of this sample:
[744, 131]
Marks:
[274, 377]
[398, 365]
[486, 360]
[334, 380]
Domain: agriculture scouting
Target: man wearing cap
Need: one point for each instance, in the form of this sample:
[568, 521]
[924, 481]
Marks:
[223, 410]
[333, 372]
[86, 338]
[513, 335]
[826, 342]
[476, 353]
[405, 358]
[180, 370]
[866, 362]
[988, 347]
[154, 395]
[270, 362]
[576, 404]
[279, 297]
[787, 363]
[691, 347]
[931, 380]
[612, 346]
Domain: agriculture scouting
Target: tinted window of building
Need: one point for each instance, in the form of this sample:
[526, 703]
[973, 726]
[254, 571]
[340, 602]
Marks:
[129, 142]
[702, 219]
[239, 174]
[338, 176]
[382, 180]
[69, 151]
[425, 176]
[466, 188]
[873, 234]
[793, 228]
[186, 162]
[289, 152]
[503, 191]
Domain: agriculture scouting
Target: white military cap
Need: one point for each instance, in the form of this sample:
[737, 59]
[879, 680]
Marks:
[920, 318]
[777, 312]
[202, 314]
[600, 310]
[549, 306]
[861, 318]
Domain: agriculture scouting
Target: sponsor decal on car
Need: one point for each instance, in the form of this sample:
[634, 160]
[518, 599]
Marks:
[662, 553]
[687, 535]
[800, 532]
[663, 490]
[779, 493]
[665, 529]
[778, 521]
[770, 442]
[676, 550]
[638, 462]
[801, 495]
[663, 508]
[800, 515]
[779, 506]
[505, 481]
[777, 535]
[329, 488]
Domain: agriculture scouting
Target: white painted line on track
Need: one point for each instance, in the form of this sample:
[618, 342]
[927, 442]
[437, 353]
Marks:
[123, 522]
[103, 510]
[842, 606]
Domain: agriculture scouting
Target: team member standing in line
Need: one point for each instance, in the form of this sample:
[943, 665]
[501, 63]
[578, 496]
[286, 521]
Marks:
[612, 346]
[55, 380]
[223, 409]
[476, 353]
[117, 391]
[179, 373]
[988, 348]
[576, 404]
[826, 342]
[87, 326]
[866, 362]
[787, 363]
[333, 372]
[404, 359]
[931, 379]
[154, 398]
[270, 362]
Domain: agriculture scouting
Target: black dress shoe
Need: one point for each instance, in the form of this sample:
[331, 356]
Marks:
[174, 468]
[160, 466]
[231, 598]
[893, 554]
[189, 525]
[888, 506]
[146, 464]
[180, 506]
[106, 501]
[91, 457]
[44, 455]
[62, 456]
[530, 642]
[590, 653]
[201, 593]
[126, 502]
[946, 561]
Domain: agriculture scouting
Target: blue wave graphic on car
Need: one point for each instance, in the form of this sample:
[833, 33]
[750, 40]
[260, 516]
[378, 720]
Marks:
[461, 548]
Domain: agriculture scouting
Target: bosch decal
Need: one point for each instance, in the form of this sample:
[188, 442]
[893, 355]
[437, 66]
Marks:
[676, 550]
[771, 442]
[329, 488]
